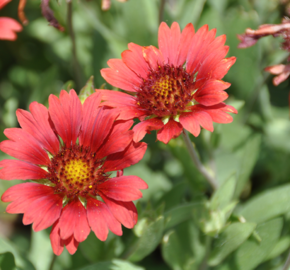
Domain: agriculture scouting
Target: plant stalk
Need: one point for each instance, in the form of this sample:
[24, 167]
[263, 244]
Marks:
[76, 66]
[197, 162]
[161, 10]
[287, 263]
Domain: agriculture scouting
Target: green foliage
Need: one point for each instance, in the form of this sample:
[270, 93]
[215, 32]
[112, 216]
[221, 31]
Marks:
[182, 223]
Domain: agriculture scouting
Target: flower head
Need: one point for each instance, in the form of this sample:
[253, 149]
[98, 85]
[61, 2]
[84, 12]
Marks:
[8, 26]
[69, 151]
[174, 87]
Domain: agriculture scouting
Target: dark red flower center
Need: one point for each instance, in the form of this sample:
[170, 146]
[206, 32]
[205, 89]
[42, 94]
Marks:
[76, 171]
[167, 91]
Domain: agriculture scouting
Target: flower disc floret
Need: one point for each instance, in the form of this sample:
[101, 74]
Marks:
[166, 91]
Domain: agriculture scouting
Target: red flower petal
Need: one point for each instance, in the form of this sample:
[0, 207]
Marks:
[23, 145]
[134, 60]
[170, 131]
[168, 42]
[8, 27]
[57, 243]
[201, 41]
[212, 92]
[211, 58]
[37, 124]
[3, 3]
[73, 221]
[223, 67]
[153, 57]
[124, 188]
[101, 219]
[43, 211]
[115, 143]
[16, 169]
[119, 75]
[218, 112]
[98, 123]
[146, 126]
[71, 245]
[124, 212]
[191, 121]
[185, 43]
[131, 155]
[66, 114]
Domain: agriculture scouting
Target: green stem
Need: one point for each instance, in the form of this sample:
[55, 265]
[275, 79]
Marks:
[287, 263]
[194, 156]
[76, 65]
[161, 10]
[52, 262]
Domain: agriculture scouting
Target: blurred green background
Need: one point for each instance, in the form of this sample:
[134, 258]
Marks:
[245, 224]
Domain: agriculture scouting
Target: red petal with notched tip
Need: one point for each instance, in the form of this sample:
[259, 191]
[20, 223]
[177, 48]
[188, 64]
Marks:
[185, 43]
[131, 155]
[168, 42]
[37, 124]
[101, 219]
[8, 27]
[153, 57]
[98, 128]
[223, 67]
[134, 60]
[193, 120]
[23, 145]
[146, 126]
[219, 112]
[170, 131]
[73, 221]
[119, 75]
[212, 92]
[124, 188]
[71, 245]
[197, 52]
[43, 211]
[124, 212]
[16, 169]
[57, 243]
[66, 114]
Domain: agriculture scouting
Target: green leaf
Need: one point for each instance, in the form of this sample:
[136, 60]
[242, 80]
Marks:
[87, 90]
[113, 265]
[251, 253]
[266, 205]
[150, 237]
[281, 246]
[229, 240]
[183, 248]
[224, 194]
[179, 214]
[22, 262]
[7, 261]
[248, 161]
[172, 251]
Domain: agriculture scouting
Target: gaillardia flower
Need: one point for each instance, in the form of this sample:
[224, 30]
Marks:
[174, 87]
[8, 26]
[69, 151]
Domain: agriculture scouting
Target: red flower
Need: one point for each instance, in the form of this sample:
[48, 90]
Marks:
[72, 148]
[177, 86]
[8, 26]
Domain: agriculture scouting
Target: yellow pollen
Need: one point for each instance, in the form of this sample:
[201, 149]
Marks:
[76, 170]
[90, 186]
